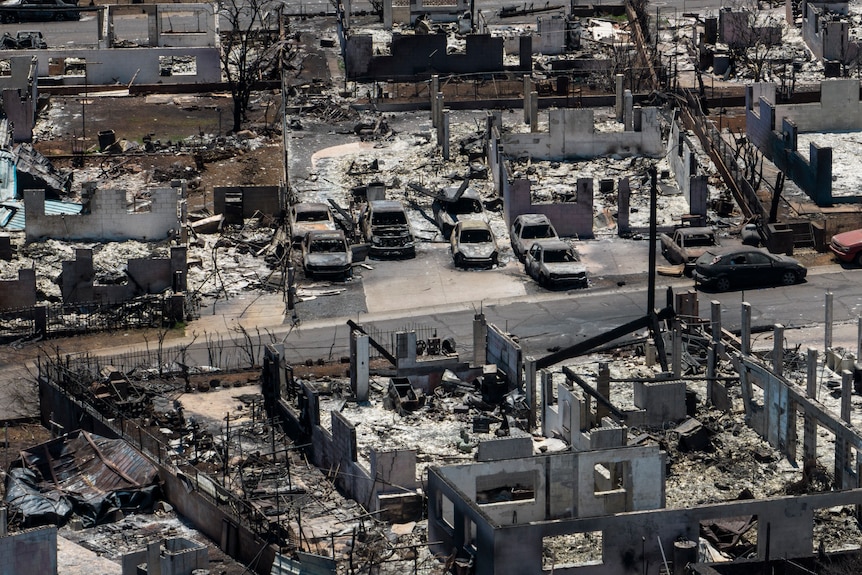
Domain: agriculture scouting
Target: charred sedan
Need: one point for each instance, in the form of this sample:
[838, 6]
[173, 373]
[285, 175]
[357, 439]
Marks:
[726, 270]
[326, 253]
[555, 263]
[473, 244]
[453, 207]
[309, 217]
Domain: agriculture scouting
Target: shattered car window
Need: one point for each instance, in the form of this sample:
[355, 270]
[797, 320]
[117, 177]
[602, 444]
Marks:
[475, 236]
[327, 246]
[536, 232]
[312, 216]
[388, 219]
[464, 206]
[699, 241]
[560, 256]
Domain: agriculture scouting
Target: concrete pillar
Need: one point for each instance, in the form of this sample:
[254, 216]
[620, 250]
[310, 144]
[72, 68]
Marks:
[746, 328]
[676, 349]
[154, 555]
[603, 386]
[445, 134]
[3, 520]
[480, 339]
[711, 357]
[649, 352]
[530, 388]
[778, 349]
[628, 103]
[859, 337]
[359, 373]
[438, 110]
[846, 391]
[528, 89]
[809, 440]
[637, 118]
[828, 327]
[715, 320]
[620, 82]
[534, 111]
[547, 382]
[624, 193]
[435, 89]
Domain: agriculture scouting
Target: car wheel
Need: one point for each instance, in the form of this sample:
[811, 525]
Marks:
[722, 284]
[858, 259]
[495, 260]
[543, 281]
[459, 260]
[788, 278]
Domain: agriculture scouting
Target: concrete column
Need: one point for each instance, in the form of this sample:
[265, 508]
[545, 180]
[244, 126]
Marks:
[715, 320]
[480, 339]
[711, 357]
[438, 111]
[676, 349]
[435, 89]
[603, 386]
[828, 328]
[547, 399]
[809, 440]
[624, 193]
[530, 388]
[3, 520]
[628, 103]
[746, 328]
[778, 349]
[620, 82]
[528, 89]
[359, 372]
[154, 555]
[649, 352]
[534, 111]
[846, 391]
[859, 337]
[445, 130]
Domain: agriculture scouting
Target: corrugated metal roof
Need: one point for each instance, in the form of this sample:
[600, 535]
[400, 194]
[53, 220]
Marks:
[89, 465]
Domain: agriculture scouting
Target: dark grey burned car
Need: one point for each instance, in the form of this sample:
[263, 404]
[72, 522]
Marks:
[448, 210]
[554, 263]
[725, 270]
[326, 253]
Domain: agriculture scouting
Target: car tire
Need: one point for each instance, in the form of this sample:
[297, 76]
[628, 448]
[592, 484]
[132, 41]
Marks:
[722, 283]
[495, 260]
[789, 278]
[543, 281]
[858, 259]
[459, 260]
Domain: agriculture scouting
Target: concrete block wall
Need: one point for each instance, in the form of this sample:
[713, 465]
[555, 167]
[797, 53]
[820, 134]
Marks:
[144, 276]
[263, 199]
[683, 163]
[177, 556]
[20, 93]
[29, 552]
[109, 218]
[20, 293]
[131, 65]
[664, 401]
[828, 38]
[571, 135]
[550, 38]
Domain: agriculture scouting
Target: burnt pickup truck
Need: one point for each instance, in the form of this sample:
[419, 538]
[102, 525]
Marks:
[686, 244]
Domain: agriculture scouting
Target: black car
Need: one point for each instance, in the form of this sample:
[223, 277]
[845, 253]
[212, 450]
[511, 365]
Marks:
[724, 270]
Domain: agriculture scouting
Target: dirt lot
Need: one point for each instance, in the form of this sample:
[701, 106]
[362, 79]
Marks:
[187, 132]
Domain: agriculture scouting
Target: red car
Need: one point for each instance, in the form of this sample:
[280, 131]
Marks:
[848, 246]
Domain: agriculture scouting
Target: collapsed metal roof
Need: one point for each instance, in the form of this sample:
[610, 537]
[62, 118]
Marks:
[82, 473]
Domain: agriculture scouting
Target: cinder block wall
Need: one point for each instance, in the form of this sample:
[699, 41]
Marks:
[29, 552]
[20, 293]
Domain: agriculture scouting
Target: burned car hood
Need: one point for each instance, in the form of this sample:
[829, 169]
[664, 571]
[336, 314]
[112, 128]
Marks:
[328, 259]
[302, 228]
[566, 268]
[477, 250]
[390, 231]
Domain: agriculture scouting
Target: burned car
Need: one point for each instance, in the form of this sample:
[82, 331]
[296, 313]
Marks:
[326, 253]
[526, 229]
[451, 207]
[385, 226]
[473, 244]
[553, 263]
[309, 217]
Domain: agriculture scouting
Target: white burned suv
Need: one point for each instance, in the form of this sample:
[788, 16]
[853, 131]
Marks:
[554, 263]
[526, 229]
